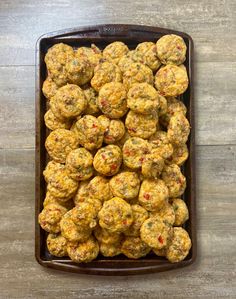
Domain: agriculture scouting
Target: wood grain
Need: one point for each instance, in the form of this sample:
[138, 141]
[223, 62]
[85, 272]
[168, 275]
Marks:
[212, 24]
[212, 276]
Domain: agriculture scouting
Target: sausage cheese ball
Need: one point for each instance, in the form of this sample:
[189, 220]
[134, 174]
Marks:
[143, 98]
[59, 143]
[116, 215]
[92, 54]
[146, 53]
[171, 80]
[137, 73]
[115, 51]
[178, 129]
[105, 72]
[79, 163]
[91, 97]
[181, 211]
[161, 143]
[179, 156]
[155, 233]
[110, 250]
[173, 105]
[141, 125]
[153, 194]
[49, 88]
[134, 248]
[50, 217]
[107, 160]
[117, 136]
[71, 231]
[174, 180]
[179, 246]
[53, 123]
[106, 237]
[68, 102]
[134, 151]
[89, 132]
[171, 49]
[99, 188]
[114, 129]
[125, 185]
[79, 71]
[56, 59]
[166, 214]
[57, 244]
[83, 252]
[139, 216]
[112, 99]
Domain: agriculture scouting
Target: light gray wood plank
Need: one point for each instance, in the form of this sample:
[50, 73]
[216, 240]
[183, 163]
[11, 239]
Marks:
[213, 275]
[214, 102]
[211, 24]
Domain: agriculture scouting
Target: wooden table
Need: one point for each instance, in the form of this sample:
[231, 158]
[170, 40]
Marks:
[212, 24]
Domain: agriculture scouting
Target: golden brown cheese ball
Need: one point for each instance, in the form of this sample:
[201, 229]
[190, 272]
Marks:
[152, 164]
[83, 252]
[79, 70]
[137, 73]
[160, 142]
[171, 49]
[142, 98]
[173, 105]
[107, 160]
[178, 129]
[99, 188]
[61, 185]
[50, 217]
[106, 237]
[84, 215]
[51, 168]
[68, 102]
[110, 250]
[134, 151]
[166, 214]
[59, 143]
[146, 53]
[139, 216]
[171, 80]
[91, 97]
[153, 194]
[93, 54]
[174, 180]
[105, 72]
[79, 163]
[125, 185]
[115, 51]
[49, 198]
[115, 215]
[49, 88]
[56, 245]
[179, 156]
[53, 123]
[134, 248]
[179, 246]
[155, 233]
[89, 132]
[114, 129]
[112, 99]
[141, 125]
[71, 231]
[181, 211]
[56, 59]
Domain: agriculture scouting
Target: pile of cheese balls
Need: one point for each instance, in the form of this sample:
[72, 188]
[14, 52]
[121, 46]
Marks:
[117, 139]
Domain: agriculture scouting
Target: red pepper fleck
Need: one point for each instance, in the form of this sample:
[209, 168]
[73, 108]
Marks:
[133, 130]
[146, 196]
[160, 239]
[94, 126]
[103, 102]
[103, 156]
[127, 152]
[141, 159]
[125, 222]
[113, 167]
[179, 48]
